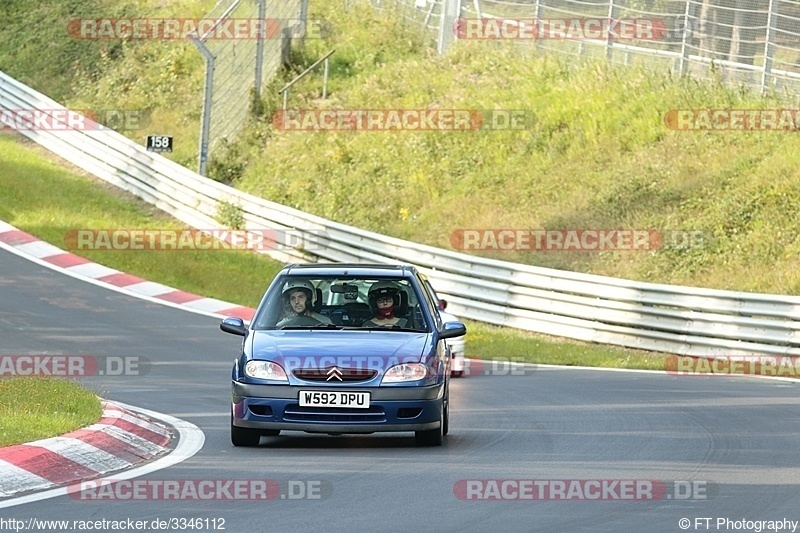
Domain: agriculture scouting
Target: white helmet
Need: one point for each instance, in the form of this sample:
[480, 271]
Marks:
[300, 285]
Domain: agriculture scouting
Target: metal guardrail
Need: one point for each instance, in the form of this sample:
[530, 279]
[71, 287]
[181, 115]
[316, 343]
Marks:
[675, 319]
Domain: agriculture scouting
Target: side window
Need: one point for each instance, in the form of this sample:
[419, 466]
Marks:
[431, 299]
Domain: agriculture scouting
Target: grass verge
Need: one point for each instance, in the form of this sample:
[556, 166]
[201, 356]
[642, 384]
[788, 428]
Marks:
[33, 408]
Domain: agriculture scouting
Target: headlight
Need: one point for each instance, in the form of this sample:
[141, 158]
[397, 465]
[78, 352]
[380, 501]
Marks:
[405, 372]
[265, 370]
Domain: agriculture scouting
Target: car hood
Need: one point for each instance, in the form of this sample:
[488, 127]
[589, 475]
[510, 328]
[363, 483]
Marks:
[338, 348]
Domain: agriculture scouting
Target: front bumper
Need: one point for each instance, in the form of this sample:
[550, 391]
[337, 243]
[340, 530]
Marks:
[391, 409]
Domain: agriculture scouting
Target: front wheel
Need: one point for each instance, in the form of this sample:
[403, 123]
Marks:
[244, 436]
[432, 437]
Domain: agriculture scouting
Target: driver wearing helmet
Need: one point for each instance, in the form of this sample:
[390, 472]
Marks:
[298, 299]
[384, 298]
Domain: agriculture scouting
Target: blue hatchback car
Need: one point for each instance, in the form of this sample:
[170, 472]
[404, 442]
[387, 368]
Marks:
[343, 348]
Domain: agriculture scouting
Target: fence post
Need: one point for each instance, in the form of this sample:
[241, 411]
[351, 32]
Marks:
[477, 5]
[262, 14]
[451, 11]
[610, 40]
[428, 17]
[684, 61]
[769, 46]
[208, 90]
[325, 79]
[537, 16]
[304, 18]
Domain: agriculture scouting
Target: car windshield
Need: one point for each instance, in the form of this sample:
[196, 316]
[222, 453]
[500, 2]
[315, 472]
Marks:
[302, 302]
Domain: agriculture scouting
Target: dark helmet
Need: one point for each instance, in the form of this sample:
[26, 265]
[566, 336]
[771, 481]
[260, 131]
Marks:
[383, 288]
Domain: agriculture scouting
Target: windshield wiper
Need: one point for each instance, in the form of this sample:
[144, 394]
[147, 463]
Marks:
[395, 328]
[348, 328]
[320, 326]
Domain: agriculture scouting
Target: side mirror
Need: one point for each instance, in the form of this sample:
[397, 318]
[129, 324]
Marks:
[452, 329]
[442, 304]
[233, 325]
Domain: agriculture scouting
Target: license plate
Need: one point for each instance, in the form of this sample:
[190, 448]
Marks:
[357, 400]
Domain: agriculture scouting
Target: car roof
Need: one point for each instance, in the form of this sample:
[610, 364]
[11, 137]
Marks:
[354, 269]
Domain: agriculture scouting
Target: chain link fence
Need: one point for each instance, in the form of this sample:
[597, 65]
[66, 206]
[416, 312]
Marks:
[240, 61]
[428, 14]
[755, 43]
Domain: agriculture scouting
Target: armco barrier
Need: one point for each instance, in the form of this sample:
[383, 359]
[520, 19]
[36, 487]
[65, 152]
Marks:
[666, 318]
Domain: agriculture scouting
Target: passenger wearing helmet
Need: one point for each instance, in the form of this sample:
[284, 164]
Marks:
[298, 302]
[384, 299]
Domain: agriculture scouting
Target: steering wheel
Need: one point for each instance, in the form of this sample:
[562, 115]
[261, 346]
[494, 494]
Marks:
[300, 321]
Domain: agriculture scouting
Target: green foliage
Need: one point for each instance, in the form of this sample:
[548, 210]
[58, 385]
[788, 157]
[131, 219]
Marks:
[228, 163]
[230, 215]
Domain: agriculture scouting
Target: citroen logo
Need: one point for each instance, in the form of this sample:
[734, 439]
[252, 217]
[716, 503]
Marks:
[334, 373]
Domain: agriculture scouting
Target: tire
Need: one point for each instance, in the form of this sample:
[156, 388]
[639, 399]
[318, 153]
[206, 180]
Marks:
[447, 415]
[432, 437]
[244, 436]
[457, 373]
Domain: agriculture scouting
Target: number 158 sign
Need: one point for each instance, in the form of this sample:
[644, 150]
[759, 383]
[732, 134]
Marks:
[159, 143]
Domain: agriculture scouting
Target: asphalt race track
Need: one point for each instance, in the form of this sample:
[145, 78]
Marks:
[736, 440]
